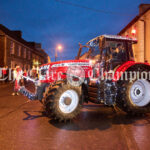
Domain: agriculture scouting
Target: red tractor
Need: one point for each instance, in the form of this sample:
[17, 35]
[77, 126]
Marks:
[105, 73]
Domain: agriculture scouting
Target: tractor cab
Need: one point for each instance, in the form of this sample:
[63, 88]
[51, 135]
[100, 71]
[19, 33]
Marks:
[109, 50]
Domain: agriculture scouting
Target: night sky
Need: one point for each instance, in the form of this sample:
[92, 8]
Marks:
[53, 22]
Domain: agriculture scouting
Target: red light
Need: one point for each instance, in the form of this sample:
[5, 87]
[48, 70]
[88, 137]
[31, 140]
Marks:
[133, 31]
[127, 35]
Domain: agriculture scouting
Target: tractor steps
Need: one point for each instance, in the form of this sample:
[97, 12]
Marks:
[93, 93]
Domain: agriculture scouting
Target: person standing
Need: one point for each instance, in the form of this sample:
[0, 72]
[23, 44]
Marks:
[4, 74]
[7, 74]
[17, 73]
[33, 72]
[25, 73]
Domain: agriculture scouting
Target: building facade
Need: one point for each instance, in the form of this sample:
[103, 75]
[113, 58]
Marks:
[14, 50]
[139, 28]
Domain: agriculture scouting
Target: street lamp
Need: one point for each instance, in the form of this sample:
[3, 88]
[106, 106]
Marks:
[59, 48]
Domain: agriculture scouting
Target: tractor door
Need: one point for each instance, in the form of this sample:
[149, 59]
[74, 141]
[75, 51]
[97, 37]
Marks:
[115, 54]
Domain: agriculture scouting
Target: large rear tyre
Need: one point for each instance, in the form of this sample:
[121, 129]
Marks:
[63, 101]
[134, 97]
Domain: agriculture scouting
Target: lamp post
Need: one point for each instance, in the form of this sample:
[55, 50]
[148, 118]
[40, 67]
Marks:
[59, 48]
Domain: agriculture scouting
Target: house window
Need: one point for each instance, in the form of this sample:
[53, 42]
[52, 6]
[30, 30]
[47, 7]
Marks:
[19, 50]
[29, 55]
[24, 52]
[12, 47]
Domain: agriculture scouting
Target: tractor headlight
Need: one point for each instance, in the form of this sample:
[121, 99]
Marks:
[38, 83]
[92, 62]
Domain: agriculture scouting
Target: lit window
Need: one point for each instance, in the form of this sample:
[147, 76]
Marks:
[25, 52]
[19, 50]
[12, 47]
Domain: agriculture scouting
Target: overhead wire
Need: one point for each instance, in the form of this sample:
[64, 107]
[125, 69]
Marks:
[93, 9]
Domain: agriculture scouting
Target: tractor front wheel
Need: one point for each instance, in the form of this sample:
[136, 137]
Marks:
[63, 101]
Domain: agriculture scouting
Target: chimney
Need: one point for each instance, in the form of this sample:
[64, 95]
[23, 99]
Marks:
[17, 33]
[143, 8]
[38, 45]
[31, 44]
[35, 45]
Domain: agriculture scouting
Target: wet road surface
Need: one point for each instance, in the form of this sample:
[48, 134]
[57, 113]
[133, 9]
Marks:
[23, 127]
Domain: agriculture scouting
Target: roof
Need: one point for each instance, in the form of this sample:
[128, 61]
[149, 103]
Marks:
[133, 21]
[113, 37]
[14, 36]
[19, 39]
[119, 37]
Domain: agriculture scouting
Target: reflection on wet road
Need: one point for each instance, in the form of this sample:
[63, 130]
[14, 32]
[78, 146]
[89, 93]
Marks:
[96, 128]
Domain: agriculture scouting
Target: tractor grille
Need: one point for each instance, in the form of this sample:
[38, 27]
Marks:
[43, 72]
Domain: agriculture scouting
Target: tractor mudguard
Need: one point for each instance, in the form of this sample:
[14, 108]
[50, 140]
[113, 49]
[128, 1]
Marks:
[124, 67]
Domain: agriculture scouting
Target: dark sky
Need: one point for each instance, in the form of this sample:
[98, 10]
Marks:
[51, 22]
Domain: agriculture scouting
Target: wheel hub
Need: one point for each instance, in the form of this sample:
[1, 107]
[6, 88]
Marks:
[138, 92]
[67, 100]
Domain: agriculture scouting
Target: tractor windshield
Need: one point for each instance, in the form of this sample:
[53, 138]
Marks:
[95, 50]
[90, 52]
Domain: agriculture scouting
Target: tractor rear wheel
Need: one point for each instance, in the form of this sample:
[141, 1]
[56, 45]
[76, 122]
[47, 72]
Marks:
[134, 97]
[63, 101]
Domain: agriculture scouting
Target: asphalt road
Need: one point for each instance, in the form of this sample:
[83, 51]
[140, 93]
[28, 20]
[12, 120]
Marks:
[23, 127]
